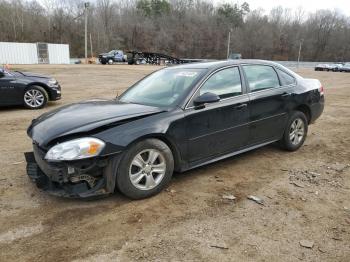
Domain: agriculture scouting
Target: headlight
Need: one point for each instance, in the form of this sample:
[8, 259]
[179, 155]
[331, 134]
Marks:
[52, 82]
[76, 149]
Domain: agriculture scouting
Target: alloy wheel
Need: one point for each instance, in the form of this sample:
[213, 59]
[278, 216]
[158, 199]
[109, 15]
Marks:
[34, 98]
[297, 131]
[147, 169]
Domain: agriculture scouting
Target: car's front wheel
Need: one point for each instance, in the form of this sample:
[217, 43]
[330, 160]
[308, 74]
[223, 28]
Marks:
[296, 131]
[35, 97]
[145, 169]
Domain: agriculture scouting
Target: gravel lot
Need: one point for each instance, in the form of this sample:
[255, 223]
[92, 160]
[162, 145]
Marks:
[306, 193]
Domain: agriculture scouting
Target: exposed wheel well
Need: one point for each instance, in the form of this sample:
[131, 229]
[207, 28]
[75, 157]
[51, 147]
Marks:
[306, 110]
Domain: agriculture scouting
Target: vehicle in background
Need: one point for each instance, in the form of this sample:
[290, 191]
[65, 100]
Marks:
[28, 89]
[345, 68]
[111, 57]
[151, 58]
[234, 56]
[322, 67]
[177, 118]
[337, 67]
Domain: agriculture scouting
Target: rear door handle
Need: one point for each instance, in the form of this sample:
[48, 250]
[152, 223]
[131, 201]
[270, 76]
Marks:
[241, 106]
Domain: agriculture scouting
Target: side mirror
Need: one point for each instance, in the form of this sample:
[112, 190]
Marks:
[206, 98]
[2, 74]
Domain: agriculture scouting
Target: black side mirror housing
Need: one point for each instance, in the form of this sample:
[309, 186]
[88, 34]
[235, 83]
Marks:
[2, 74]
[206, 98]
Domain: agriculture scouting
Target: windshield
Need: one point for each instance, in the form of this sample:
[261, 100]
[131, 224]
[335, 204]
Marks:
[162, 88]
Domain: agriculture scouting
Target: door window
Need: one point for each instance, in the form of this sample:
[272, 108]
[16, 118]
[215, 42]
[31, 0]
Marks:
[261, 77]
[225, 83]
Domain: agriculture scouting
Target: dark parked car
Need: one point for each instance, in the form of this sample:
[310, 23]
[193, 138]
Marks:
[112, 57]
[28, 89]
[175, 119]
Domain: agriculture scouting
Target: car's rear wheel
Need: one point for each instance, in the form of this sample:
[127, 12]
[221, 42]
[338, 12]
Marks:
[35, 97]
[145, 169]
[296, 131]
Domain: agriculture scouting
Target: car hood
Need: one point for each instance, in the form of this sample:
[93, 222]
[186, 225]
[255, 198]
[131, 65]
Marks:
[31, 75]
[84, 117]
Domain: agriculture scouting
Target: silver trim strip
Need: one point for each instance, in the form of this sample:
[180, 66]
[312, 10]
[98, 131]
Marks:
[222, 100]
[249, 92]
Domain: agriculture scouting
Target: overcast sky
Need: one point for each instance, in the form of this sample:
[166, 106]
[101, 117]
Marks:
[308, 5]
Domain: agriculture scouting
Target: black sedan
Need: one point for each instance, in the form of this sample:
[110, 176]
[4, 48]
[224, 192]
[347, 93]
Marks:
[175, 119]
[28, 89]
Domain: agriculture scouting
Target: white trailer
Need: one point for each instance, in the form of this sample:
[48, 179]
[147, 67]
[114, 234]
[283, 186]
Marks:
[33, 53]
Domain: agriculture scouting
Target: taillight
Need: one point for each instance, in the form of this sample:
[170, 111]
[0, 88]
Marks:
[321, 90]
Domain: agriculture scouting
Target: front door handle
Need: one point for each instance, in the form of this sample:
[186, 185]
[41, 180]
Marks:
[286, 94]
[241, 106]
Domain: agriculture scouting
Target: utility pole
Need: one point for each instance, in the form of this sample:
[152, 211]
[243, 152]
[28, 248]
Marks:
[92, 54]
[86, 6]
[228, 43]
[300, 44]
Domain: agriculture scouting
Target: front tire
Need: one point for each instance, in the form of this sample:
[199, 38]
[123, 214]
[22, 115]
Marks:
[296, 131]
[35, 97]
[145, 169]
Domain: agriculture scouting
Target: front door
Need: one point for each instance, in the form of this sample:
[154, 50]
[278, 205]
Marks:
[221, 127]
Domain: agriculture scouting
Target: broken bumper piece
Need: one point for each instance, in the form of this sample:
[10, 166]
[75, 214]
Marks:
[82, 179]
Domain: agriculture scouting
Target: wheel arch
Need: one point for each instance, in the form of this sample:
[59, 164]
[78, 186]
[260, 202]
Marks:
[46, 88]
[162, 137]
[306, 110]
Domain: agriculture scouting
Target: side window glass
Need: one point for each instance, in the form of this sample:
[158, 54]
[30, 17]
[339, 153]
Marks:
[286, 79]
[261, 77]
[225, 83]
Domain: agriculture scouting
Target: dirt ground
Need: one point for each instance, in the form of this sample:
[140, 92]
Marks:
[306, 194]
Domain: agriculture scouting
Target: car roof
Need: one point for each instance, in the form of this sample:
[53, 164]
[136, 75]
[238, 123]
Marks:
[214, 65]
[222, 63]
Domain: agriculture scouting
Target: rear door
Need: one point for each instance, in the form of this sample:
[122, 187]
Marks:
[220, 127]
[269, 102]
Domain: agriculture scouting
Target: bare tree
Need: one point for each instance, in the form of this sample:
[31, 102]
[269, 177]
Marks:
[183, 28]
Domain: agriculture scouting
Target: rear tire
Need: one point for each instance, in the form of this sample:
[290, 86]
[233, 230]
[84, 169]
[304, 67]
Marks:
[145, 169]
[35, 97]
[295, 132]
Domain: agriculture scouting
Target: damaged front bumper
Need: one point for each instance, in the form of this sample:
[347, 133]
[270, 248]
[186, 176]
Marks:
[74, 179]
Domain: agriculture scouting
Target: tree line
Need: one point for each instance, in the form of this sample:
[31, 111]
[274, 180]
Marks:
[180, 28]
